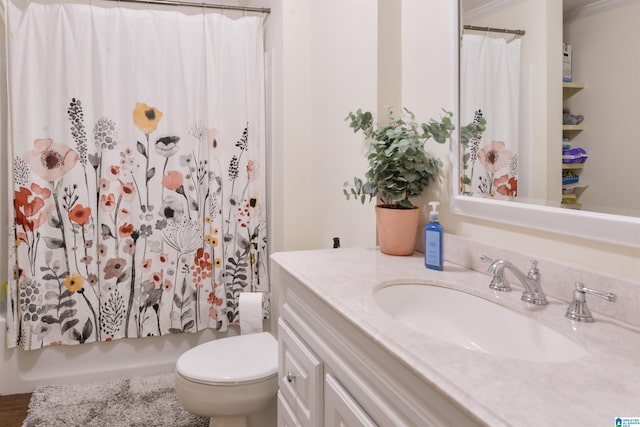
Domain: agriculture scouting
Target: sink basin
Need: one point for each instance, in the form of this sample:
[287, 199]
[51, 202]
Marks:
[474, 323]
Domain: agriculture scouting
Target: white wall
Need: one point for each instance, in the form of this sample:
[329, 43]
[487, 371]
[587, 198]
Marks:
[607, 59]
[428, 79]
[328, 67]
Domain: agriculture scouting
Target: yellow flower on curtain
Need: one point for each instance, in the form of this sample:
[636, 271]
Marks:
[146, 118]
[74, 282]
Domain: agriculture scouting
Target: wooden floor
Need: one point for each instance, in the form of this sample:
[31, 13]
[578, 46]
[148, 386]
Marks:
[13, 409]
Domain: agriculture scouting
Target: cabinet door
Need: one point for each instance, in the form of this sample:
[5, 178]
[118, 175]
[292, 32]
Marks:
[340, 409]
[286, 418]
[300, 377]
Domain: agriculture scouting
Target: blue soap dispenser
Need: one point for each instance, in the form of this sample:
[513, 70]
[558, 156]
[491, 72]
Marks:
[433, 232]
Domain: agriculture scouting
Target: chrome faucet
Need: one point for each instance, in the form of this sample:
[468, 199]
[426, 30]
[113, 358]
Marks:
[532, 294]
[578, 309]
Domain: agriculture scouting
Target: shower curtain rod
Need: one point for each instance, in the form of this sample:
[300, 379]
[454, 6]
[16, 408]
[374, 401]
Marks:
[495, 30]
[203, 4]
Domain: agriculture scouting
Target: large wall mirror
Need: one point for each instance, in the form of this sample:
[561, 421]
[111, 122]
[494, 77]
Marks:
[554, 146]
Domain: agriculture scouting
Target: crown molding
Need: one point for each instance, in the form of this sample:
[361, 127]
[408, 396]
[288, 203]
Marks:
[595, 7]
[489, 8]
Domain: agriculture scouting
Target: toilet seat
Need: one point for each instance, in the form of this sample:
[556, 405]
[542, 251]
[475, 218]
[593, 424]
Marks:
[230, 361]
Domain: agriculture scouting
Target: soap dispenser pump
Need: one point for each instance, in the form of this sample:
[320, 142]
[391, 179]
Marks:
[433, 232]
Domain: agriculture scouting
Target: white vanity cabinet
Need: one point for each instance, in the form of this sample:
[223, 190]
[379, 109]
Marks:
[333, 374]
[307, 396]
[300, 383]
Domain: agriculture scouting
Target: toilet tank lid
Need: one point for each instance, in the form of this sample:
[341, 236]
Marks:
[229, 360]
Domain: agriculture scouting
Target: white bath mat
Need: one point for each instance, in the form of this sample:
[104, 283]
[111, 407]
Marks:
[140, 401]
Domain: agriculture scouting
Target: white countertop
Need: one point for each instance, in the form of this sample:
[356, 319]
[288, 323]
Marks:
[591, 391]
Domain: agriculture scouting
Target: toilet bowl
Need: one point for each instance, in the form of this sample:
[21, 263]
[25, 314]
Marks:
[229, 379]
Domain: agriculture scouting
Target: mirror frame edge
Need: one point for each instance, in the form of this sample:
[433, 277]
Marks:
[608, 228]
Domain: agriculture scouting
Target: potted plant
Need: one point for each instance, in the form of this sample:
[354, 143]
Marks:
[400, 168]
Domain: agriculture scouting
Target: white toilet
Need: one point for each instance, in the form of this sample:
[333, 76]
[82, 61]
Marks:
[229, 379]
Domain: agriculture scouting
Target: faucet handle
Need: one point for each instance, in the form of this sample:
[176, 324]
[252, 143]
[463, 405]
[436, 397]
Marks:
[611, 297]
[486, 258]
[578, 309]
[534, 294]
[498, 282]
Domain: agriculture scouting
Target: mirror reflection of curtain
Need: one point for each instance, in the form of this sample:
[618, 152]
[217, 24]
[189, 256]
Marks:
[490, 82]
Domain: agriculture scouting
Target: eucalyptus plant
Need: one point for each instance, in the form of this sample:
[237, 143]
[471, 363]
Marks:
[400, 167]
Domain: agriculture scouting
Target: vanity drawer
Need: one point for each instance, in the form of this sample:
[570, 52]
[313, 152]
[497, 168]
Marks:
[300, 377]
[340, 409]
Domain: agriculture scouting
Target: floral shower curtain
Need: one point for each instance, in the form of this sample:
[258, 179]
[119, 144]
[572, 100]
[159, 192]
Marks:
[138, 147]
[490, 88]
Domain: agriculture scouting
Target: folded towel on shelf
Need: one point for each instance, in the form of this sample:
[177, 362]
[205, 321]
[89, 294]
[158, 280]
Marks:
[571, 119]
[574, 155]
[568, 177]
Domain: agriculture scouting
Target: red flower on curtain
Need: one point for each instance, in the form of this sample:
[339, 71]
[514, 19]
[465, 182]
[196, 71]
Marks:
[507, 186]
[251, 170]
[30, 207]
[113, 172]
[108, 202]
[126, 230]
[172, 180]
[79, 214]
[201, 267]
[128, 190]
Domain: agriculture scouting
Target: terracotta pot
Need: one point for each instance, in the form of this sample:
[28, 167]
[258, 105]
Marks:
[397, 230]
